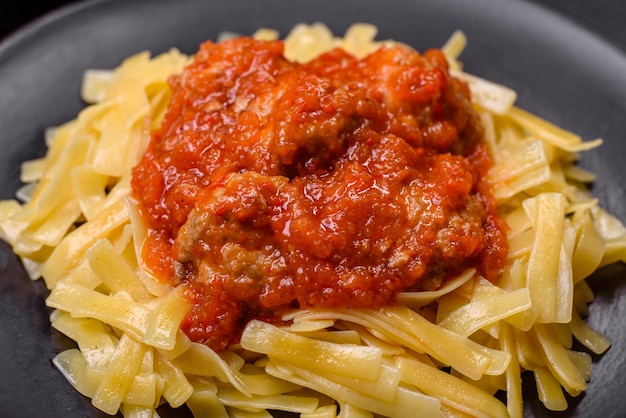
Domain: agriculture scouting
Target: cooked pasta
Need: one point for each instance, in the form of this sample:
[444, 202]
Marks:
[442, 352]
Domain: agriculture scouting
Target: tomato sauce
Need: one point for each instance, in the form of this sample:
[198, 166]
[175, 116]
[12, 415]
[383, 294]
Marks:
[337, 183]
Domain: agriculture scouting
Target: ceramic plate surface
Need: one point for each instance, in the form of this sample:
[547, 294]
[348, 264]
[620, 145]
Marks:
[561, 72]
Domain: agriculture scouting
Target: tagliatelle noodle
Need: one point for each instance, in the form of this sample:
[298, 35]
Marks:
[438, 353]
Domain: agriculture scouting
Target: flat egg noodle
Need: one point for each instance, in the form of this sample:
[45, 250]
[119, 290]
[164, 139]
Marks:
[440, 353]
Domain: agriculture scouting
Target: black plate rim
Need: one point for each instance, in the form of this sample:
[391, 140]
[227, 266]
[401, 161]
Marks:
[605, 47]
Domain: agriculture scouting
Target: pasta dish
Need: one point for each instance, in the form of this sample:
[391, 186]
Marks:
[331, 227]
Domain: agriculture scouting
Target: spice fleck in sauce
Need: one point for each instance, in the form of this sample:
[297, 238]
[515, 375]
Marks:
[337, 183]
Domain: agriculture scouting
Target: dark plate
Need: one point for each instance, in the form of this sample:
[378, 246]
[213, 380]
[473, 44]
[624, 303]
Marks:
[561, 71]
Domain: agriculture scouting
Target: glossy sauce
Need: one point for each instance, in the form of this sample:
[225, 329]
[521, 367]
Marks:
[338, 183]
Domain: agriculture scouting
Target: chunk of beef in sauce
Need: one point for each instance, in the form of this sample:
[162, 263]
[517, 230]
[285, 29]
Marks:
[336, 183]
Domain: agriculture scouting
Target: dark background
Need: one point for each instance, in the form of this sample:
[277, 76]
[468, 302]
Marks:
[17, 15]
[606, 18]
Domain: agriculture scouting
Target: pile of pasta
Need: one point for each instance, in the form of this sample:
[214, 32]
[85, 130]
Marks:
[440, 353]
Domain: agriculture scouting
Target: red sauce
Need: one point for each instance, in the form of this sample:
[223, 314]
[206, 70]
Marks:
[337, 183]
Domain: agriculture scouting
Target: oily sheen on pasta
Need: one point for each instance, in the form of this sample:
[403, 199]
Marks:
[321, 226]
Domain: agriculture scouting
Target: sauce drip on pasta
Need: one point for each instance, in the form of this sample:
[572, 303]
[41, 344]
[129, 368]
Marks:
[336, 183]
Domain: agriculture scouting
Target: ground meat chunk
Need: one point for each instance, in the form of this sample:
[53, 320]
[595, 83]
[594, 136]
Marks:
[337, 183]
